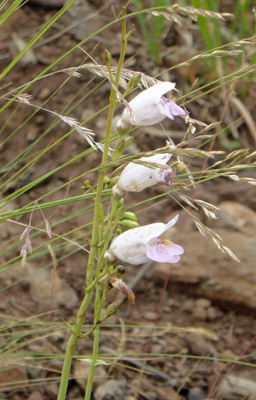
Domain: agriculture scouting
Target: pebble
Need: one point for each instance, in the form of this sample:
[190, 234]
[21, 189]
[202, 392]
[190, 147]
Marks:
[228, 355]
[203, 303]
[200, 314]
[111, 389]
[198, 345]
[35, 396]
[196, 394]
[157, 349]
[44, 93]
[32, 134]
[81, 373]
[52, 390]
[150, 315]
[189, 305]
[212, 313]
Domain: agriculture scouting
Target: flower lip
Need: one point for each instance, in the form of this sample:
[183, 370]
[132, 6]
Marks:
[170, 109]
[164, 251]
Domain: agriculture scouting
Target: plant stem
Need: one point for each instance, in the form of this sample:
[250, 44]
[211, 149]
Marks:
[97, 311]
[78, 324]
[96, 234]
[71, 346]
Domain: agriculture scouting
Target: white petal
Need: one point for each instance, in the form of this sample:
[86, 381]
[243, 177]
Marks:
[158, 158]
[136, 177]
[171, 223]
[145, 105]
[155, 91]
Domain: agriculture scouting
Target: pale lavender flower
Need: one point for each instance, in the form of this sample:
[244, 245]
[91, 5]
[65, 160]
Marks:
[150, 107]
[139, 245]
[136, 177]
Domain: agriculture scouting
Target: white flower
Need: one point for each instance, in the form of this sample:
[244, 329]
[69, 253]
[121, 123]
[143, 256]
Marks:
[139, 245]
[150, 107]
[136, 177]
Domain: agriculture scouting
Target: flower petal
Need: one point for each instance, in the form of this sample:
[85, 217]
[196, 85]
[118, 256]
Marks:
[136, 177]
[170, 109]
[158, 158]
[145, 106]
[166, 175]
[161, 253]
[171, 223]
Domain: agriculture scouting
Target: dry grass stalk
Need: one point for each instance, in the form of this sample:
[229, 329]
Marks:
[126, 75]
[193, 13]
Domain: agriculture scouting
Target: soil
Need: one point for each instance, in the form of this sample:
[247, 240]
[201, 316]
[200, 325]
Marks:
[194, 323]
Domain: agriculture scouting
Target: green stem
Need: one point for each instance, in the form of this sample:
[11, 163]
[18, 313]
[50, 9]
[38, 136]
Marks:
[71, 346]
[97, 311]
[78, 324]
[96, 235]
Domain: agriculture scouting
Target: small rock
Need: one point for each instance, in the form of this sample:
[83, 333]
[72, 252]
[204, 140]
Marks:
[32, 134]
[228, 355]
[52, 389]
[44, 93]
[171, 348]
[203, 303]
[150, 315]
[212, 313]
[35, 396]
[199, 314]
[81, 374]
[111, 389]
[40, 119]
[196, 394]
[157, 349]
[164, 393]
[189, 305]
[199, 346]
[234, 388]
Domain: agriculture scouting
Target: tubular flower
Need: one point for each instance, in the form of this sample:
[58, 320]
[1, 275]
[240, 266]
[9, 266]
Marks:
[151, 107]
[136, 177]
[139, 245]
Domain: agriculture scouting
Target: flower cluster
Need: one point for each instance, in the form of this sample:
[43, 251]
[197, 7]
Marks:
[139, 245]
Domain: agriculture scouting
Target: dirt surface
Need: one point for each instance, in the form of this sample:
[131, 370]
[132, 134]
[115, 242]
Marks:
[191, 320]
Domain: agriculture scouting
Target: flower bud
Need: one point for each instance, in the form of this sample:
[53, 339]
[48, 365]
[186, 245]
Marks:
[128, 224]
[107, 57]
[130, 215]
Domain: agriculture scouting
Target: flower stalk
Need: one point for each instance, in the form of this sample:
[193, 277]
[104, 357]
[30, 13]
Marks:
[96, 251]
